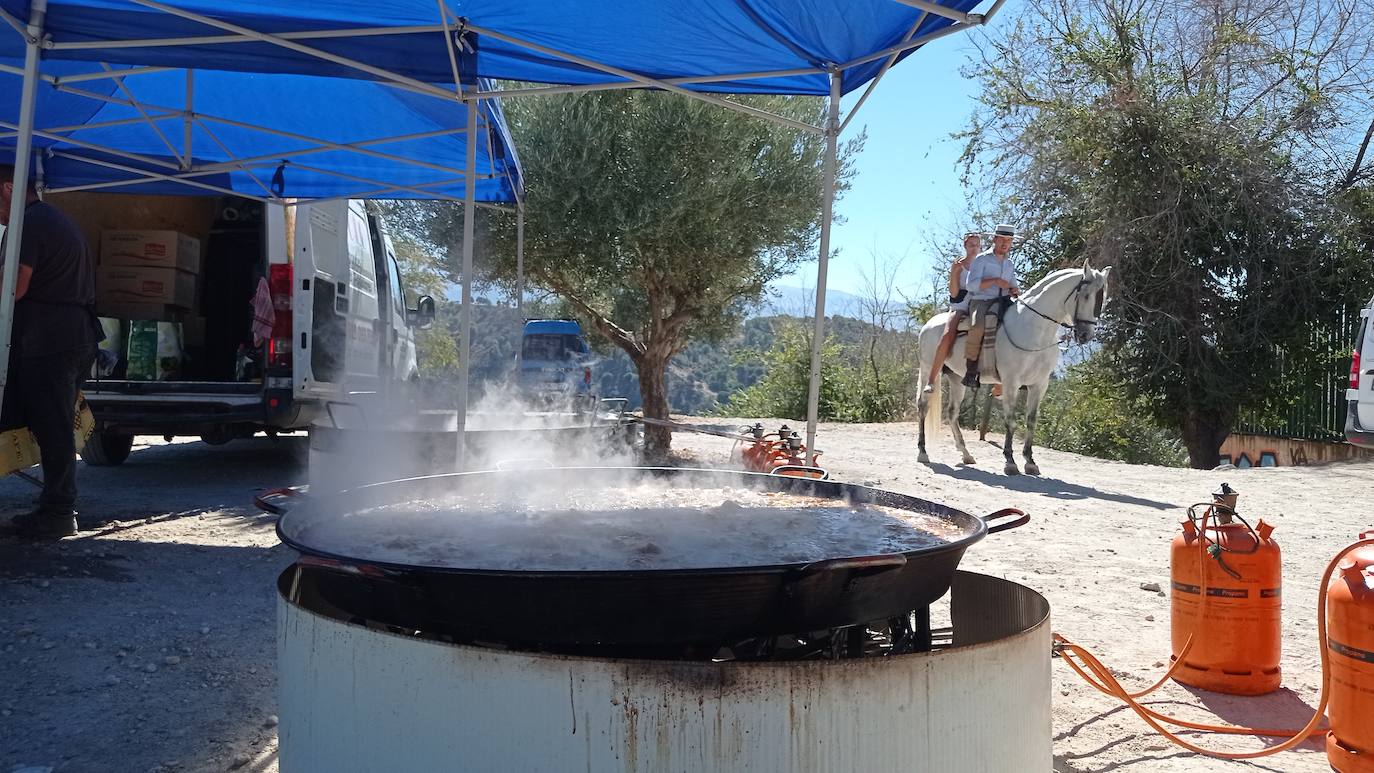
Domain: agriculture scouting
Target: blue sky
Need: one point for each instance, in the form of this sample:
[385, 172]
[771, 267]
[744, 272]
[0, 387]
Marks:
[907, 185]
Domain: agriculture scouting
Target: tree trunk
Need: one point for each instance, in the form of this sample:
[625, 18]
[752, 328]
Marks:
[653, 389]
[1202, 436]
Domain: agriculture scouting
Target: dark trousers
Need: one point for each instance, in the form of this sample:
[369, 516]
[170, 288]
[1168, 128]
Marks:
[41, 395]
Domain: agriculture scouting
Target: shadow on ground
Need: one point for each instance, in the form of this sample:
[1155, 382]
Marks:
[136, 646]
[138, 655]
[174, 479]
[1043, 485]
[1262, 711]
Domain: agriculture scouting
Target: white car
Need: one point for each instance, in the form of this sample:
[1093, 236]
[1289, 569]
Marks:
[1359, 419]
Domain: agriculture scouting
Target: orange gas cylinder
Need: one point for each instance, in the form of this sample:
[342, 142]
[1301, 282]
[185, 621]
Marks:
[1350, 640]
[1235, 629]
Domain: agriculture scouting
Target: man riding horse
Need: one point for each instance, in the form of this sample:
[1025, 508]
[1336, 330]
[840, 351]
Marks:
[991, 280]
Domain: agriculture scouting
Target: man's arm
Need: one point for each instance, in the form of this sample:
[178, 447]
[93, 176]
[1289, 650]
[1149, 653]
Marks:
[22, 285]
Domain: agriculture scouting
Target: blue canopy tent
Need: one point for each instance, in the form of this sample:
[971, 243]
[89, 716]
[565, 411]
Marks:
[265, 137]
[703, 49]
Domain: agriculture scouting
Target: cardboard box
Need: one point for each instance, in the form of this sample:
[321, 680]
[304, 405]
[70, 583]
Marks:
[159, 286]
[19, 451]
[150, 249]
[155, 351]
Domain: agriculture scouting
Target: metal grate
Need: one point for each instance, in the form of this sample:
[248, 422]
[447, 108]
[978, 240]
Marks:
[1311, 405]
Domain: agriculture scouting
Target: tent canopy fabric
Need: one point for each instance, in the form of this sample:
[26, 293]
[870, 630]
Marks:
[283, 136]
[542, 41]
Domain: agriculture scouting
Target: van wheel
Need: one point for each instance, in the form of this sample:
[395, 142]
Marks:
[107, 449]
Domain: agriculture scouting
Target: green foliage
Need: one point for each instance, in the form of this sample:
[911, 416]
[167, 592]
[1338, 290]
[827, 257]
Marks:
[855, 385]
[1202, 152]
[1088, 411]
[436, 348]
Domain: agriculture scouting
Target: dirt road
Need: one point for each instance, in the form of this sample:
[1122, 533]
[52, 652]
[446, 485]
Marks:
[147, 642]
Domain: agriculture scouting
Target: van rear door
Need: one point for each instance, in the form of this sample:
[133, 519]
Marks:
[1364, 393]
[335, 307]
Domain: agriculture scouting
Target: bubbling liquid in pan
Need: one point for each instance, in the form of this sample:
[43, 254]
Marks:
[633, 528]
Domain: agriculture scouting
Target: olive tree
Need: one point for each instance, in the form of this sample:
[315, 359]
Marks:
[658, 218]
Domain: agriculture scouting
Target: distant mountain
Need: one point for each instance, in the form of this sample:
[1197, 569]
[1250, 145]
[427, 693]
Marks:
[788, 300]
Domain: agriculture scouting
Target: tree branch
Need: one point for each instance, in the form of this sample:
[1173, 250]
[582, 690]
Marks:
[1354, 174]
[618, 335]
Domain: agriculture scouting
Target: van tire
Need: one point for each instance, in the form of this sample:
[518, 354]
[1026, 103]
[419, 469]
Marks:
[107, 449]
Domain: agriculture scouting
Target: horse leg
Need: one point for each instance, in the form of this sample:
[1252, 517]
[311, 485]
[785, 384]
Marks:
[922, 405]
[1010, 391]
[956, 400]
[1034, 392]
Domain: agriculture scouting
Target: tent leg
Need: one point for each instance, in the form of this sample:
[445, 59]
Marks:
[465, 321]
[520, 261]
[23, 153]
[832, 138]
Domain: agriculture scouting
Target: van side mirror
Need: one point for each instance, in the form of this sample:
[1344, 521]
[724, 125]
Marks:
[422, 316]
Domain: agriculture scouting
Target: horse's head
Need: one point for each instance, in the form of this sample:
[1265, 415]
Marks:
[1088, 299]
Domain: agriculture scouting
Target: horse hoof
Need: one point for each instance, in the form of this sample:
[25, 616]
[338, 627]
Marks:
[1032, 468]
[923, 458]
[1012, 469]
[968, 459]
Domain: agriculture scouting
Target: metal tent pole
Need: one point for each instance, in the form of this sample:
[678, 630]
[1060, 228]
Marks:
[832, 138]
[465, 320]
[23, 151]
[520, 261]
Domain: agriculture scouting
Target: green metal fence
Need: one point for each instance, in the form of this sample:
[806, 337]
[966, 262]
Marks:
[1311, 404]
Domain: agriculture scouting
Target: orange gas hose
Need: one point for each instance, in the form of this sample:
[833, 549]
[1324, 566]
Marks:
[1108, 684]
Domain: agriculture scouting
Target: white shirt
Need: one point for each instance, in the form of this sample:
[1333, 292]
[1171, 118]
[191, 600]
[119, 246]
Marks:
[988, 266]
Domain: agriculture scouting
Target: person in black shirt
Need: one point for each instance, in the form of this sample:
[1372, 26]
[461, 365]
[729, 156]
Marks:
[52, 346]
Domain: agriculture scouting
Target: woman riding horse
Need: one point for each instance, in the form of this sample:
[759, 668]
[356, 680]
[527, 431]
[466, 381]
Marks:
[958, 304]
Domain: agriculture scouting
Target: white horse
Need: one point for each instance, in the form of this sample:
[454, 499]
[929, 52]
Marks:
[1027, 349]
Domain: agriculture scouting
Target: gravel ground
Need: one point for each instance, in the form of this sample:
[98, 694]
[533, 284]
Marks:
[147, 643]
[1099, 531]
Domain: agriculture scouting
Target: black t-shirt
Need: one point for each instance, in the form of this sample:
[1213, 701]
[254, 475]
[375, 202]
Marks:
[57, 314]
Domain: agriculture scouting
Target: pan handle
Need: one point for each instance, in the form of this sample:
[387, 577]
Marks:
[345, 567]
[801, 471]
[267, 500]
[1021, 519]
[878, 563]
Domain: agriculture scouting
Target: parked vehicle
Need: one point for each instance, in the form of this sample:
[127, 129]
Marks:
[553, 368]
[342, 325]
[1359, 419]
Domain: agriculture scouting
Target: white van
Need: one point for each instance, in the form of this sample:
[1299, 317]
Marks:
[1359, 419]
[343, 326]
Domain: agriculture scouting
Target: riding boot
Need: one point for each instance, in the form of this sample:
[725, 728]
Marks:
[971, 375]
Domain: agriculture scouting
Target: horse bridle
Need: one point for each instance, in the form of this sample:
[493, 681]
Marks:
[1097, 313]
[1097, 308]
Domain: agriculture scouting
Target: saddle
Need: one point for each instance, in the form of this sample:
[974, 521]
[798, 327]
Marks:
[987, 362]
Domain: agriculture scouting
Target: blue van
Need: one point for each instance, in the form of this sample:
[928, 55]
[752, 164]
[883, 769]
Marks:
[554, 365]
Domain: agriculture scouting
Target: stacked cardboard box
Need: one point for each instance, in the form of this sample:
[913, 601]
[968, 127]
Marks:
[148, 278]
[147, 275]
